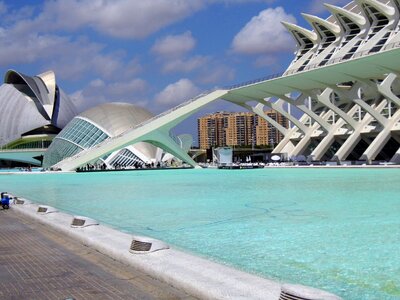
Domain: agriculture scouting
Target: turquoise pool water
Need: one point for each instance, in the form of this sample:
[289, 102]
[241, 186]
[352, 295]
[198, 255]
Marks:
[17, 170]
[334, 229]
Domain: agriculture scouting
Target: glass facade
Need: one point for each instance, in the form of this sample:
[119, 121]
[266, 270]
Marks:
[126, 158]
[79, 134]
[31, 145]
[82, 133]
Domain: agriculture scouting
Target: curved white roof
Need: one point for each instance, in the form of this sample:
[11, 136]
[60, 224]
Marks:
[28, 103]
[117, 117]
[18, 114]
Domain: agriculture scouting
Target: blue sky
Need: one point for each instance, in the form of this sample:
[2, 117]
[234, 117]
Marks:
[153, 53]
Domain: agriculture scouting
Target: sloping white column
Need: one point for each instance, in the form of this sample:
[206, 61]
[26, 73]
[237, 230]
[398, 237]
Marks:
[328, 140]
[380, 141]
[325, 99]
[164, 141]
[299, 103]
[396, 157]
[286, 145]
[278, 106]
[385, 88]
[369, 109]
[355, 137]
[259, 110]
[304, 142]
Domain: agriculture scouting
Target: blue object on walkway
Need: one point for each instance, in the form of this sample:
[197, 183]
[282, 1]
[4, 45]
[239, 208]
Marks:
[5, 200]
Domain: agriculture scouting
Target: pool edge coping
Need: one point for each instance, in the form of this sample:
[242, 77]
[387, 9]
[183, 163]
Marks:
[195, 275]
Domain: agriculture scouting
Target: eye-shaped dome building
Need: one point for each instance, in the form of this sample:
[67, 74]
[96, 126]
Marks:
[96, 125]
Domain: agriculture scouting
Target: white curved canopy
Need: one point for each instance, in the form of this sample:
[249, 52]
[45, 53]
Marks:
[315, 21]
[295, 30]
[386, 10]
[339, 13]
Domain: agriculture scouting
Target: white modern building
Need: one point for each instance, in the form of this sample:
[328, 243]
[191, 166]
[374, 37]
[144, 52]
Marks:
[106, 121]
[33, 110]
[344, 79]
[357, 117]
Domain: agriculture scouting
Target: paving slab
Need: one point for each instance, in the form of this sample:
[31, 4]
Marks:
[37, 262]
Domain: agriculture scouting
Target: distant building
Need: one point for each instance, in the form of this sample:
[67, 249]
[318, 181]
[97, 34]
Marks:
[238, 129]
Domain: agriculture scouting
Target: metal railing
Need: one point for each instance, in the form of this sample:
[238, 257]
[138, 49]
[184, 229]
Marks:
[347, 57]
[254, 81]
[22, 149]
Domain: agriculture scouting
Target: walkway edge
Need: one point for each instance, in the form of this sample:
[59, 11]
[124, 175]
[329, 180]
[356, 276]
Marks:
[194, 275]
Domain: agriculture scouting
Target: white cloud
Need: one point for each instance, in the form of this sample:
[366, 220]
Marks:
[228, 2]
[63, 59]
[172, 53]
[98, 91]
[117, 18]
[120, 89]
[174, 45]
[317, 6]
[70, 58]
[217, 74]
[27, 50]
[264, 34]
[177, 92]
[184, 65]
[79, 100]
[37, 39]
[133, 67]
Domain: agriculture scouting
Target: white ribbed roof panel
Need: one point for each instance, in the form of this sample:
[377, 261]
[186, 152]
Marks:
[386, 10]
[334, 28]
[49, 80]
[18, 114]
[293, 28]
[339, 12]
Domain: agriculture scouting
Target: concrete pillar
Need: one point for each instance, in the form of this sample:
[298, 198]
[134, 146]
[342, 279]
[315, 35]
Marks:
[165, 142]
[380, 141]
[355, 137]
[385, 88]
[328, 140]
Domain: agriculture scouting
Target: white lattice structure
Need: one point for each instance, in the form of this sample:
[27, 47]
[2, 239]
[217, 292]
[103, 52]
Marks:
[358, 115]
[344, 78]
